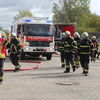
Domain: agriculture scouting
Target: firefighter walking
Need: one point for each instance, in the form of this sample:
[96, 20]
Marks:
[60, 48]
[68, 45]
[14, 49]
[76, 54]
[85, 49]
[95, 48]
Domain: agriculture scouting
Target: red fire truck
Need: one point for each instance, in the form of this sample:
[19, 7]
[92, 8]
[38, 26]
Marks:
[60, 28]
[36, 34]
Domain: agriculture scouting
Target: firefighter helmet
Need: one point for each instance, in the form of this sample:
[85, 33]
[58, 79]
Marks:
[67, 33]
[85, 35]
[76, 34]
[93, 37]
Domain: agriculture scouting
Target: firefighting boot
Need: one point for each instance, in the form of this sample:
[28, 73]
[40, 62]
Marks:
[83, 72]
[67, 70]
[17, 68]
[73, 68]
[63, 65]
[86, 74]
[1, 79]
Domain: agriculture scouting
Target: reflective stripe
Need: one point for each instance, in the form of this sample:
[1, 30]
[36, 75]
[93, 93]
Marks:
[85, 70]
[17, 66]
[62, 62]
[94, 49]
[83, 46]
[67, 45]
[77, 63]
[1, 77]
[84, 52]
[67, 66]
[61, 47]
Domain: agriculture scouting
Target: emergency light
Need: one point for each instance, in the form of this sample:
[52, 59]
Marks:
[27, 20]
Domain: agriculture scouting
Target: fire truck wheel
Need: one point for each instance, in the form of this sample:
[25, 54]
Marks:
[49, 56]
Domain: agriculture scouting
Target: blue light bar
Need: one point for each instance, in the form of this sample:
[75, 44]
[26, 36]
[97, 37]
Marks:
[27, 20]
[49, 21]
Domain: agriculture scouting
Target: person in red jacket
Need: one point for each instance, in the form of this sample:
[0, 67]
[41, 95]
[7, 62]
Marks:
[2, 54]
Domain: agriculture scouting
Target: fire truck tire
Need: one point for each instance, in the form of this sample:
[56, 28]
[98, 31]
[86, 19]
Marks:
[49, 56]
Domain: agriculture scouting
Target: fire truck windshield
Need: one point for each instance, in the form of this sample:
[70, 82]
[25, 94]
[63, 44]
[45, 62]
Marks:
[38, 30]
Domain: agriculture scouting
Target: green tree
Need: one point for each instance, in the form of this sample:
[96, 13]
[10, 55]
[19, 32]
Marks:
[72, 11]
[23, 13]
[94, 23]
[69, 11]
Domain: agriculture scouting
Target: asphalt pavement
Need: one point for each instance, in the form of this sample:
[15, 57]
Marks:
[48, 82]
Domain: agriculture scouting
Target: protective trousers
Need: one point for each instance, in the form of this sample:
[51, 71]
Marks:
[1, 68]
[62, 59]
[84, 60]
[69, 61]
[14, 59]
[76, 60]
[93, 55]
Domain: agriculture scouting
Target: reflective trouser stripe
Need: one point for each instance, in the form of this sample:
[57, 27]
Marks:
[1, 77]
[77, 63]
[62, 62]
[85, 70]
[17, 66]
[67, 66]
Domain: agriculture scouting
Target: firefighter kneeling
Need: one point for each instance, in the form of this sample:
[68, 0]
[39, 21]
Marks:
[69, 45]
[14, 49]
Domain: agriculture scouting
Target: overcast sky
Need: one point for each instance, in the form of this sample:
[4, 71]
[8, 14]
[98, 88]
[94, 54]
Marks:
[9, 8]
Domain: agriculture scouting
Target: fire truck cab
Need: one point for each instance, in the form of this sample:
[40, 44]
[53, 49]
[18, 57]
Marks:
[37, 36]
[60, 28]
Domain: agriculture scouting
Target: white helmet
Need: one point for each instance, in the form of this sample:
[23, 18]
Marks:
[76, 34]
[85, 35]
[14, 34]
[63, 33]
[67, 33]
[93, 37]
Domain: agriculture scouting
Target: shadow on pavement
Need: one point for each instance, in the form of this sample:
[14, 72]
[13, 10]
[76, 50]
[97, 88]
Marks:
[53, 75]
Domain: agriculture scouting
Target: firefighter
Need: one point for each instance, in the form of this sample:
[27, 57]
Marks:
[85, 49]
[69, 45]
[2, 54]
[76, 54]
[14, 50]
[95, 48]
[60, 48]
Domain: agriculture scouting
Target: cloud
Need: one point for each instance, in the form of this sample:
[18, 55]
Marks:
[95, 6]
[9, 8]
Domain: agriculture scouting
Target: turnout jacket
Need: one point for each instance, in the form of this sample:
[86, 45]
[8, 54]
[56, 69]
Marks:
[14, 46]
[67, 45]
[85, 46]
